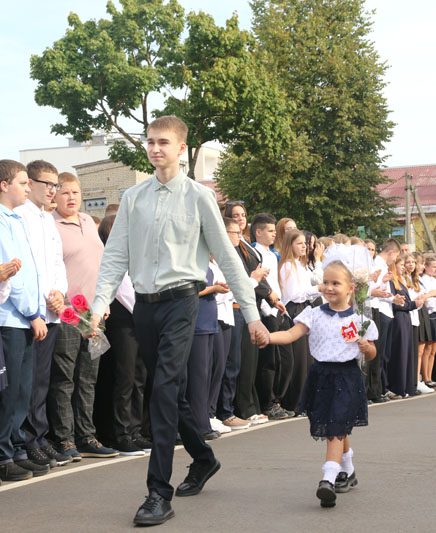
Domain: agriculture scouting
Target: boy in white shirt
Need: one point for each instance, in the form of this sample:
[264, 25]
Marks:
[46, 246]
[275, 362]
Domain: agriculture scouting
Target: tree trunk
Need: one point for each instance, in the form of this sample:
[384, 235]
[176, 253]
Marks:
[192, 160]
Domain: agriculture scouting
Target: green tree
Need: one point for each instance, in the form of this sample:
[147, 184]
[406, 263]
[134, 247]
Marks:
[102, 72]
[320, 54]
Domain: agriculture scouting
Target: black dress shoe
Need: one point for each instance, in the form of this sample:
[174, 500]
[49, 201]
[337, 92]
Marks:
[326, 493]
[154, 511]
[12, 472]
[344, 482]
[380, 399]
[199, 473]
[211, 435]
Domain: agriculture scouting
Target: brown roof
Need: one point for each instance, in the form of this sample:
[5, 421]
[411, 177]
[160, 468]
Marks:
[423, 179]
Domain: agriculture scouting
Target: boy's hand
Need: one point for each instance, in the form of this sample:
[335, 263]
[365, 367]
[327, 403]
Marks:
[55, 301]
[39, 329]
[95, 321]
[259, 273]
[387, 277]
[221, 287]
[9, 269]
[280, 306]
[258, 333]
[380, 293]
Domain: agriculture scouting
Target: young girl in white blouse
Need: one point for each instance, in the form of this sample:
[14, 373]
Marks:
[297, 293]
[334, 394]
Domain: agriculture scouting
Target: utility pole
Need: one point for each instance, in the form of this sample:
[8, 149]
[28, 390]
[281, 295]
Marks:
[408, 189]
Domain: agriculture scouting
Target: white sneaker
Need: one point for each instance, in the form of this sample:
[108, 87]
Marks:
[255, 420]
[217, 425]
[422, 387]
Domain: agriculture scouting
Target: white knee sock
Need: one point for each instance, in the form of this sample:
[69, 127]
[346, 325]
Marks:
[347, 462]
[330, 470]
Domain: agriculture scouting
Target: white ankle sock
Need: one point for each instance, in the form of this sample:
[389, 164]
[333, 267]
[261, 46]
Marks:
[347, 462]
[330, 470]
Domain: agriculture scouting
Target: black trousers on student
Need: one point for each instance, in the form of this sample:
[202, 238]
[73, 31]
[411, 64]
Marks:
[373, 368]
[15, 398]
[302, 362]
[36, 424]
[246, 399]
[165, 331]
[199, 373]
[384, 344]
[275, 365]
[119, 391]
[221, 348]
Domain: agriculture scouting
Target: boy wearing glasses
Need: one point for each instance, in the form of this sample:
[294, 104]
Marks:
[46, 246]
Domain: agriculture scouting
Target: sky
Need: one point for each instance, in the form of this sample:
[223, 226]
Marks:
[403, 34]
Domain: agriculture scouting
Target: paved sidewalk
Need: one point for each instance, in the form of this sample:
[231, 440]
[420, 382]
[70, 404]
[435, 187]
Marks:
[267, 484]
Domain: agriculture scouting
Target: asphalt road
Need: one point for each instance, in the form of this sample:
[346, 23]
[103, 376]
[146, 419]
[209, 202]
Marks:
[267, 484]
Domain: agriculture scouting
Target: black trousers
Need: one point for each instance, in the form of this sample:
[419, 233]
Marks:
[36, 424]
[302, 362]
[372, 368]
[199, 374]
[246, 400]
[384, 344]
[165, 331]
[275, 364]
[119, 391]
[221, 348]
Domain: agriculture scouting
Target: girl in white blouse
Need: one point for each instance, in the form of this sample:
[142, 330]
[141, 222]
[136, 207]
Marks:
[334, 394]
[297, 291]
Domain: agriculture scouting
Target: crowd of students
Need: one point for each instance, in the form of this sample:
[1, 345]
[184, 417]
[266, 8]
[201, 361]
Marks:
[57, 404]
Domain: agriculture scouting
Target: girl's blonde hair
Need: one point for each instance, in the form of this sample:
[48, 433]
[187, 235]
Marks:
[397, 280]
[287, 255]
[412, 280]
[280, 232]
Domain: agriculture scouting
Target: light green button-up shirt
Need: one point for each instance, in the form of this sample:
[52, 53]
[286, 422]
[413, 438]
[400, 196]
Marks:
[162, 236]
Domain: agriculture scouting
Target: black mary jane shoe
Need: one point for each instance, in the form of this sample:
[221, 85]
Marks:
[344, 482]
[154, 511]
[326, 493]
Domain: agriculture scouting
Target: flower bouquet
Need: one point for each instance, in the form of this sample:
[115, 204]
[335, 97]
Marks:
[80, 316]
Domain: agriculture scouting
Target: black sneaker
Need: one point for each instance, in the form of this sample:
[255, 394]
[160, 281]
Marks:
[39, 457]
[126, 446]
[326, 493]
[93, 448]
[141, 442]
[59, 459]
[199, 473]
[13, 472]
[277, 413]
[37, 470]
[155, 510]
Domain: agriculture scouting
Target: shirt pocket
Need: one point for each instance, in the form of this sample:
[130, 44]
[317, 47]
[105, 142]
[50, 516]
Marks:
[181, 229]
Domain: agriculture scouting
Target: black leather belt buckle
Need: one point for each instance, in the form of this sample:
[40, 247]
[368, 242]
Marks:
[189, 289]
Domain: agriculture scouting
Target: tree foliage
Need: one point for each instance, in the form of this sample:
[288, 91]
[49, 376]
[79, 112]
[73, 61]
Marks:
[320, 54]
[102, 72]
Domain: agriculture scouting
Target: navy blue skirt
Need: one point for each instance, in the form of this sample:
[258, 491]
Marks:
[3, 378]
[334, 399]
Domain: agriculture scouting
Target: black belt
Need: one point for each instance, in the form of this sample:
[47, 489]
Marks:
[189, 289]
